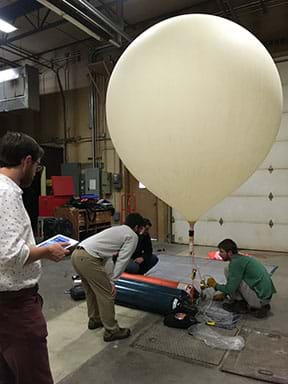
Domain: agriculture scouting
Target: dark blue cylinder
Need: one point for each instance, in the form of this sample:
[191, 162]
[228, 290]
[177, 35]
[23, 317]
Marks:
[148, 297]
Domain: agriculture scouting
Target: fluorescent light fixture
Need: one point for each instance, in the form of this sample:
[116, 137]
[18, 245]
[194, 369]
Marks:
[6, 27]
[8, 74]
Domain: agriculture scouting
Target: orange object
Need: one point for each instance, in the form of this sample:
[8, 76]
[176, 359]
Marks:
[214, 255]
[152, 280]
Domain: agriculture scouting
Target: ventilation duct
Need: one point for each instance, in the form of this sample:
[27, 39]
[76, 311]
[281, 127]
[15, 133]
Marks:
[19, 89]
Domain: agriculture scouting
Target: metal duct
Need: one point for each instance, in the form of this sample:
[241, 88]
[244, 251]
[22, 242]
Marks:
[21, 91]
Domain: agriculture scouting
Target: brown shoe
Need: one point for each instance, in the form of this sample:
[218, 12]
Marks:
[94, 324]
[120, 333]
[260, 313]
[236, 307]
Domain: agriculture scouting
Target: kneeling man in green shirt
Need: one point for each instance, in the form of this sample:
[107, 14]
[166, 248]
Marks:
[249, 284]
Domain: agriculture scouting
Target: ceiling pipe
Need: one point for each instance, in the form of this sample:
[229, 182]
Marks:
[107, 7]
[232, 11]
[222, 8]
[65, 15]
[29, 33]
[105, 19]
[263, 6]
[32, 58]
[25, 52]
[69, 18]
[112, 41]
[9, 63]
[120, 14]
[92, 21]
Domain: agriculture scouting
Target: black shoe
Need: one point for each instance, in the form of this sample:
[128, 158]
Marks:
[94, 324]
[260, 313]
[120, 333]
[236, 307]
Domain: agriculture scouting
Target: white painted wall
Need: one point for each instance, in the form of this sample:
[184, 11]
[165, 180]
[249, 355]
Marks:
[249, 217]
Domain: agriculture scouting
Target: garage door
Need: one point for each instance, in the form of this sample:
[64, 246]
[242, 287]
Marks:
[256, 215]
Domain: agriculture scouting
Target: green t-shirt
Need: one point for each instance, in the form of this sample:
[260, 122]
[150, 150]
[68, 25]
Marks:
[251, 271]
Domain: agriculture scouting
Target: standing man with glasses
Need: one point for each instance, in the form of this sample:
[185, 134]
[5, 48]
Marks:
[23, 329]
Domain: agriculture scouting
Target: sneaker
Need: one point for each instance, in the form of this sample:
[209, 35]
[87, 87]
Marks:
[93, 324]
[120, 333]
[236, 307]
[260, 313]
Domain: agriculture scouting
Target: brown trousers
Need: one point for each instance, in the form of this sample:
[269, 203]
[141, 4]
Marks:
[97, 286]
[23, 332]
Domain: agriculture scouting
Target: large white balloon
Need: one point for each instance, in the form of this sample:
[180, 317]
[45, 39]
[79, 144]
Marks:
[193, 107]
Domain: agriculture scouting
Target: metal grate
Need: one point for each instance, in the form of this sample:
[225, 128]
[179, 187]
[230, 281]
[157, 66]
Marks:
[178, 344]
[264, 357]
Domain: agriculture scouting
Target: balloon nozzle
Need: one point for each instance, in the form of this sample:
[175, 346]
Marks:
[203, 284]
[193, 275]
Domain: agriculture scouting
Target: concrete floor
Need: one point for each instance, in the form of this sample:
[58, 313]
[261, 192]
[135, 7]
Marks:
[78, 355]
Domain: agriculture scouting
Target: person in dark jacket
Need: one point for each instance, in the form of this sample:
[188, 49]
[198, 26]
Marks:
[143, 258]
[249, 284]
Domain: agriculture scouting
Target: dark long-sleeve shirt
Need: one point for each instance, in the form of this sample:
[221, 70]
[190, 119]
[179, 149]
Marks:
[144, 247]
[251, 271]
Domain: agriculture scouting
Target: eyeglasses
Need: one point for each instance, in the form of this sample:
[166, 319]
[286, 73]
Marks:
[39, 166]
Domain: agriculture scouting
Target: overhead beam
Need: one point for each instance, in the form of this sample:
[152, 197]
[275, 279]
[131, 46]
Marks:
[26, 57]
[9, 62]
[144, 24]
[82, 19]
[30, 21]
[29, 33]
[40, 54]
[44, 18]
[64, 46]
[232, 11]
[89, 7]
[19, 8]
[43, 27]
[107, 7]
[263, 6]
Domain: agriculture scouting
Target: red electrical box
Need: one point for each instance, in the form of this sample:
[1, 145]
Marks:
[63, 190]
[63, 185]
[47, 204]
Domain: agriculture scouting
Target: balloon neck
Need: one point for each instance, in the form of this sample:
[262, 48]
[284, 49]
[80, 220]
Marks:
[191, 237]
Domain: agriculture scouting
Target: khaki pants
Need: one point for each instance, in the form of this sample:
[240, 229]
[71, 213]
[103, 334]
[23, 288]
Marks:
[97, 286]
[246, 293]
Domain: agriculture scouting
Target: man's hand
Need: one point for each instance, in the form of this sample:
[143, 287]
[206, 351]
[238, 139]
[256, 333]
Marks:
[113, 289]
[57, 251]
[211, 282]
[219, 296]
[139, 260]
[54, 252]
